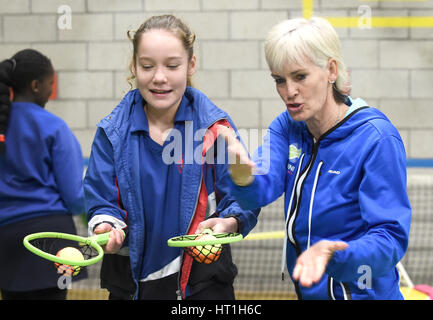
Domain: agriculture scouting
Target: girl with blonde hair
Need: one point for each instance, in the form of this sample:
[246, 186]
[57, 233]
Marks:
[130, 184]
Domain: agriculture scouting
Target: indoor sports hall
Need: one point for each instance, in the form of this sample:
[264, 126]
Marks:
[387, 45]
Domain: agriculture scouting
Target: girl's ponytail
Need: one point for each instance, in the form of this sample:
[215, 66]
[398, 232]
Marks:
[18, 73]
[6, 69]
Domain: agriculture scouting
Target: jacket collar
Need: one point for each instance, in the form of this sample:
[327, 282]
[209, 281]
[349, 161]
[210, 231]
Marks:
[198, 108]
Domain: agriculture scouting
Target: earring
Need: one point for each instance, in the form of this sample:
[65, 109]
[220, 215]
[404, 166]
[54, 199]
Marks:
[332, 81]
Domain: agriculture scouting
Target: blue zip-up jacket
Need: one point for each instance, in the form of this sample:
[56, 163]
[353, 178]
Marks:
[113, 187]
[42, 170]
[350, 185]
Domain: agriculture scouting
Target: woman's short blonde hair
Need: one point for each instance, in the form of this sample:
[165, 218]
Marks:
[295, 40]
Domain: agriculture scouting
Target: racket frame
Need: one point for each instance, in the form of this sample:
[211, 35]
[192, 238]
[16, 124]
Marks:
[189, 240]
[94, 241]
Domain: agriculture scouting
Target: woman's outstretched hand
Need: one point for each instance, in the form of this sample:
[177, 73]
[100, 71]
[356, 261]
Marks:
[311, 264]
[240, 165]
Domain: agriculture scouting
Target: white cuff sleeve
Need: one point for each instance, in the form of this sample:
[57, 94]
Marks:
[99, 218]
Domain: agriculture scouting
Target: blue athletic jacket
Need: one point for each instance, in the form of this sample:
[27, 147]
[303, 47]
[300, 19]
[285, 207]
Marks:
[350, 185]
[112, 184]
[42, 170]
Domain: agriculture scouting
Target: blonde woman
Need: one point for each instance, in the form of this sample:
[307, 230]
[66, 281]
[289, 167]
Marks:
[341, 165]
[133, 183]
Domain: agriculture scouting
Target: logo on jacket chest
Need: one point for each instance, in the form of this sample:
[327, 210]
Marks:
[294, 154]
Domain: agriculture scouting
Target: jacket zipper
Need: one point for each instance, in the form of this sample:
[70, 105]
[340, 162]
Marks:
[201, 178]
[179, 292]
[295, 211]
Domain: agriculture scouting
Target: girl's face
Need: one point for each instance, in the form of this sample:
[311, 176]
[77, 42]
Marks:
[305, 89]
[43, 89]
[161, 69]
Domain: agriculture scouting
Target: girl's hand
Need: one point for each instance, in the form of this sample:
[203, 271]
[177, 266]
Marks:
[218, 225]
[116, 237]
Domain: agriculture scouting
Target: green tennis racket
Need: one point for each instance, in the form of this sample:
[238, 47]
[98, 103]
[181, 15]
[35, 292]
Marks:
[69, 252]
[205, 247]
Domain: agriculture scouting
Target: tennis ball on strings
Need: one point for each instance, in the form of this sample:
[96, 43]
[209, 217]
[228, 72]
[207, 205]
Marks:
[69, 253]
[208, 253]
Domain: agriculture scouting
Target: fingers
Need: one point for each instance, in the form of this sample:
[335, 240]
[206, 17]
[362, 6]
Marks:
[307, 275]
[226, 133]
[209, 223]
[297, 270]
[311, 264]
[117, 236]
[339, 246]
[238, 155]
[115, 242]
[308, 272]
[102, 228]
[241, 166]
[226, 225]
[234, 147]
[218, 225]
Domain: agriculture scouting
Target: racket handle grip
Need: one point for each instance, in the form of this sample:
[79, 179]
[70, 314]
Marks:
[103, 238]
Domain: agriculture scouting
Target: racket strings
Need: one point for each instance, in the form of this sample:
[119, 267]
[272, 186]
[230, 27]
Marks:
[88, 252]
[52, 245]
[205, 254]
[204, 251]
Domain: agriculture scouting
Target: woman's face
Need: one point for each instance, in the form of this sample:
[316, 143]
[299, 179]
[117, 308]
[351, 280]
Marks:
[305, 89]
[161, 69]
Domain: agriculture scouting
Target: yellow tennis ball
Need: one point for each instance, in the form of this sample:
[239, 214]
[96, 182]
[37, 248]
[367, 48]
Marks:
[69, 253]
[207, 249]
[207, 253]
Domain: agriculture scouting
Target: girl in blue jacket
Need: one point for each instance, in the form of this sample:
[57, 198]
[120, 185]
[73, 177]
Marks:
[341, 165]
[41, 170]
[148, 175]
